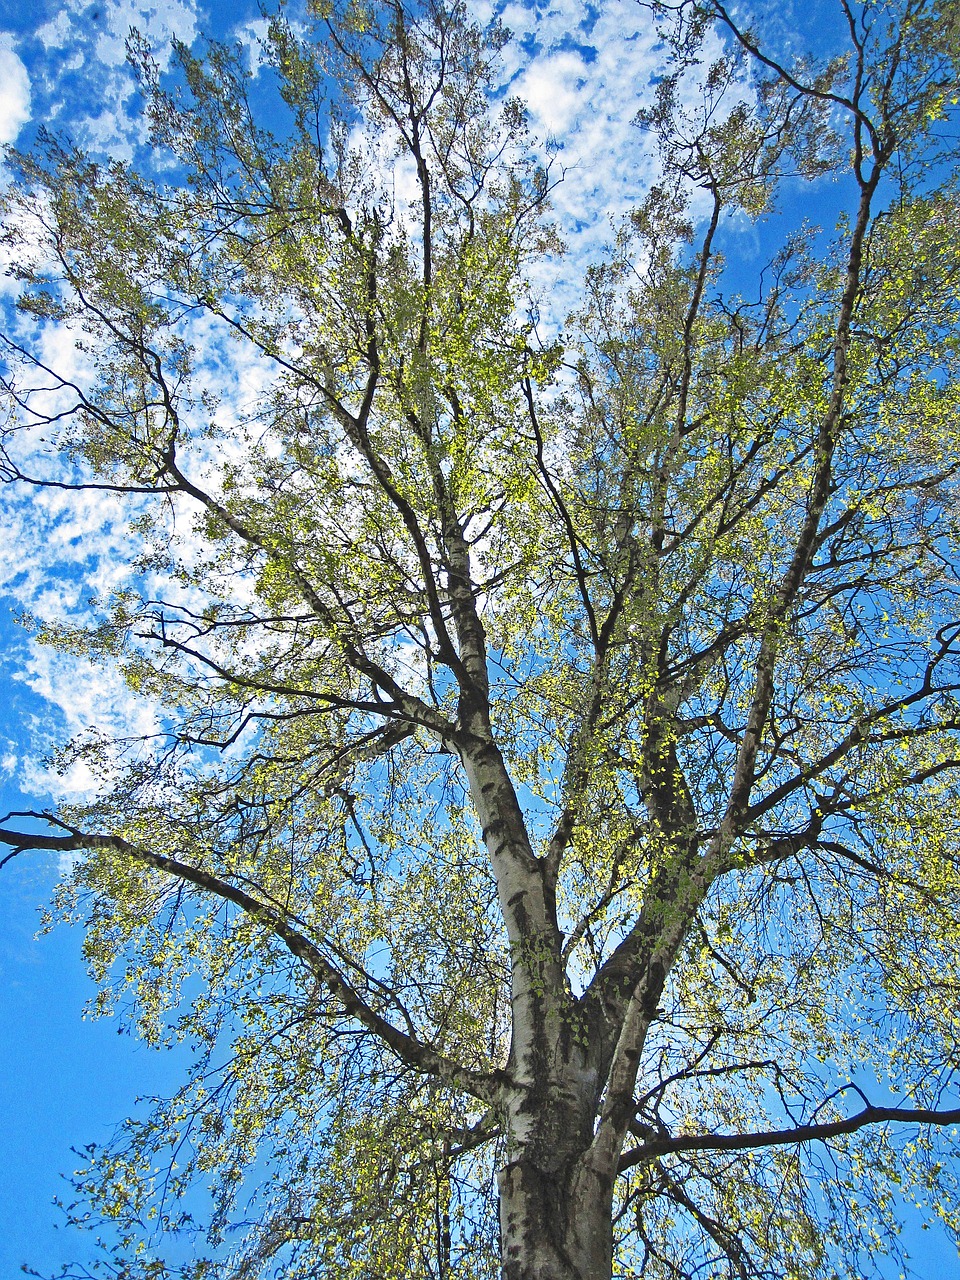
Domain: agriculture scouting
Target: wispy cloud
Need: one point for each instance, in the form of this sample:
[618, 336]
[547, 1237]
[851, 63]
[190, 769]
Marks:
[583, 73]
[84, 82]
[14, 92]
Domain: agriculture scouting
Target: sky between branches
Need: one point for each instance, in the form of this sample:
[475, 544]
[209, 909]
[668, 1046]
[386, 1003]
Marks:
[583, 71]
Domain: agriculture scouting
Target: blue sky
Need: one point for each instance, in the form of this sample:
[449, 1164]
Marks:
[67, 1080]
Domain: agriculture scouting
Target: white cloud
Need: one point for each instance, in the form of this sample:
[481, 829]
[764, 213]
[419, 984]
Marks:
[584, 72]
[159, 23]
[86, 85]
[86, 696]
[104, 28]
[583, 75]
[552, 89]
[14, 92]
[55, 34]
[583, 78]
[253, 35]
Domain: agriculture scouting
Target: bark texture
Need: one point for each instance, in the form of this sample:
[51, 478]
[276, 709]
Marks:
[555, 1220]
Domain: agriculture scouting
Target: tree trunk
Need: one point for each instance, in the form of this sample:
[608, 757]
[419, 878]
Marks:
[555, 1223]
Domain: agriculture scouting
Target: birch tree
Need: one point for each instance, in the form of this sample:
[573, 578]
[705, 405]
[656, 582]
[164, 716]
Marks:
[550, 847]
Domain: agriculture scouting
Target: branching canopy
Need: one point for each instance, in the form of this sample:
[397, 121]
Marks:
[557, 765]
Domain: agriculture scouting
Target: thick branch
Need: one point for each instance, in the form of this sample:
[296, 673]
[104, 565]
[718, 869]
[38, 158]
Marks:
[792, 580]
[785, 1137]
[413, 1052]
